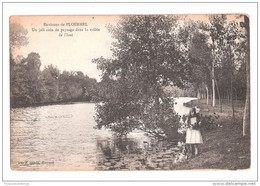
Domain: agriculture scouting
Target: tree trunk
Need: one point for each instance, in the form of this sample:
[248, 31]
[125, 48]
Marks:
[228, 94]
[236, 96]
[219, 98]
[213, 88]
[246, 118]
[207, 89]
[157, 105]
[199, 97]
[231, 85]
[220, 103]
[213, 74]
[232, 101]
[207, 96]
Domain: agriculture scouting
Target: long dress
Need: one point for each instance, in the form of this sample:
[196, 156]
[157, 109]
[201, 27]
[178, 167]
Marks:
[193, 136]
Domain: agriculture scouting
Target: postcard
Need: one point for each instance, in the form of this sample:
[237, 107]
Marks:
[130, 92]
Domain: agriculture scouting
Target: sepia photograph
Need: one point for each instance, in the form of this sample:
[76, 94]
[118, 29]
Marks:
[159, 92]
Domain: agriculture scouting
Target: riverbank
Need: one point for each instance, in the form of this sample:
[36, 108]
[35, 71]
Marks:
[52, 103]
[224, 146]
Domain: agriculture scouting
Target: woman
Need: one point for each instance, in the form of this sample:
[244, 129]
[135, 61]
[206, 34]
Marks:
[193, 135]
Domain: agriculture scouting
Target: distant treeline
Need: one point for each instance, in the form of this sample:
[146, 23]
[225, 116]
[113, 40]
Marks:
[29, 86]
[178, 92]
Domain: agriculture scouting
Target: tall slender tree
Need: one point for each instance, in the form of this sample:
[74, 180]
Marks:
[246, 117]
[216, 32]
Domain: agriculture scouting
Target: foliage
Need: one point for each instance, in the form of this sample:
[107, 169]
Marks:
[200, 57]
[150, 54]
[18, 36]
[31, 86]
[144, 60]
[49, 84]
[220, 41]
[25, 80]
[208, 122]
[180, 92]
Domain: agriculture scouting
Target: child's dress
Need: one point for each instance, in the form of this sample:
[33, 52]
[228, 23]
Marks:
[193, 136]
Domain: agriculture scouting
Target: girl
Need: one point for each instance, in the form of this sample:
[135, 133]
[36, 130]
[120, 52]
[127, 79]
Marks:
[193, 135]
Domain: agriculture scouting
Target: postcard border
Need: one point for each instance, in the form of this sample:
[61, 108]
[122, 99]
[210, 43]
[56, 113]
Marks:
[129, 180]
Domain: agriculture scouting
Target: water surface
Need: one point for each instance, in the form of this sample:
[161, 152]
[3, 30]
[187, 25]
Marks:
[62, 137]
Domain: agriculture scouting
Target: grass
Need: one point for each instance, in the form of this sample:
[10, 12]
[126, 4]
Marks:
[224, 146]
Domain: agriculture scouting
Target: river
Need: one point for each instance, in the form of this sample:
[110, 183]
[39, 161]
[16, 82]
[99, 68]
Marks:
[62, 137]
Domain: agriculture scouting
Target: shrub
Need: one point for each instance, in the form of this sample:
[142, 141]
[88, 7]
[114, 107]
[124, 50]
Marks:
[208, 122]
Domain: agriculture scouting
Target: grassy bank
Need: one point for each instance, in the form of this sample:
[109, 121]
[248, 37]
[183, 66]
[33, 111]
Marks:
[224, 146]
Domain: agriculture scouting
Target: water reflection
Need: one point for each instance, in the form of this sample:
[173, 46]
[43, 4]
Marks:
[138, 153]
[128, 154]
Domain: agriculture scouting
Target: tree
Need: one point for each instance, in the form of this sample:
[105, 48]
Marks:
[49, 84]
[18, 36]
[25, 83]
[200, 56]
[144, 60]
[31, 86]
[246, 117]
[231, 44]
[74, 86]
[216, 31]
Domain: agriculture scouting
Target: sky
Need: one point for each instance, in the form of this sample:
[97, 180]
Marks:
[71, 53]
[67, 53]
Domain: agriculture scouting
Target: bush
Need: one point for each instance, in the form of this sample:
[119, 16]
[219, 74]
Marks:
[208, 122]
